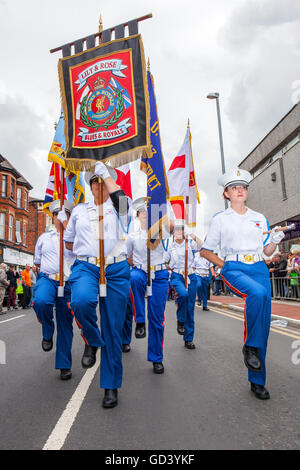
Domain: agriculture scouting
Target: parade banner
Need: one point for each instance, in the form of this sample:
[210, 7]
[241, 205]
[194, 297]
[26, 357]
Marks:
[153, 166]
[105, 103]
[182, 183]
[74, 183]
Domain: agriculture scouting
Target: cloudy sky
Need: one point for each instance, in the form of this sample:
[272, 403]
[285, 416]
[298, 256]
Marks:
[248, 51]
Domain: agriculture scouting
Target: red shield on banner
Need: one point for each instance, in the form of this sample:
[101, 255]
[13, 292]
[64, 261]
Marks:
[103, 100]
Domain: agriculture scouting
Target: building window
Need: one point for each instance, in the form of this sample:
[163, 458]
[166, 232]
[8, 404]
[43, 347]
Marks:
[4, 184]
[18, 231]
[19, 197]
[12, 188]
[10, 228]
[24, 233]
[2, 225]
[25, 200]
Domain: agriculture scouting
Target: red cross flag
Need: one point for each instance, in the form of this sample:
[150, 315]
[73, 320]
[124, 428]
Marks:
[182, 183]
[124, 179]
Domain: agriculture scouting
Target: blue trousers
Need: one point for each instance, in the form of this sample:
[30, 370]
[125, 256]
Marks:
[156, 308]
[217, 285]
[202, 289]
[127, 329]
[44, 300]
[85, 291]
[185, 302]
[252, 283]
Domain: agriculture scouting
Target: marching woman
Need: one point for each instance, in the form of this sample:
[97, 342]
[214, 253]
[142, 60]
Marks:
[175, 257]
[46, 256]
[137, 247]
[82, 236]
[202, 268]
[240, 234]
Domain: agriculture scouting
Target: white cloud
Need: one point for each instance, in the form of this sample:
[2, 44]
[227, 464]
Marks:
[248, 51]
[252, 18]
[23, 141]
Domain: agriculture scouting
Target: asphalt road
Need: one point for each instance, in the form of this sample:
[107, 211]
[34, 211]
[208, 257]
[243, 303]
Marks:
[202, 401]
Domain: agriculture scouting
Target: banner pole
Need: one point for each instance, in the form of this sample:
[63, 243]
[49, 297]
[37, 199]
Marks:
[186, 244]
[102, 280]
[149, 283]
[60, 290]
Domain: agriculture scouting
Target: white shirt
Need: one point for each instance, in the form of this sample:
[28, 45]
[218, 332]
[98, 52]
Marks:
[46, 254]
[235, 233]
[201, 265]
[84, 233]
[175, 255]
[136, 244]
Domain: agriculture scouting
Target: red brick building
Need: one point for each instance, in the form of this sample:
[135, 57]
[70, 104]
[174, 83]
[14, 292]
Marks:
[38, 220]
[17, 217]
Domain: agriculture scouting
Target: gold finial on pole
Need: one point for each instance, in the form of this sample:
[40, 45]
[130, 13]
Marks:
[55, 125]
[148, 65]
[100, 24]
[188, 124]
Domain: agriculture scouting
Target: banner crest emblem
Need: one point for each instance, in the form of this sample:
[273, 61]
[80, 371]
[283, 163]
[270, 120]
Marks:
[105, 102]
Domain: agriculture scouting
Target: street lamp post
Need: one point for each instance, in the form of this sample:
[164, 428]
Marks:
[215, 96]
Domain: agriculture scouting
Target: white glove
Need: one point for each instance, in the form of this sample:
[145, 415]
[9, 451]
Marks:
[276, 237]
[187, 231]
[62, 216]
[101, 170]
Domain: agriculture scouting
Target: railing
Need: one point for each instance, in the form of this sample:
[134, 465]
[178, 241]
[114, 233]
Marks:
[282, 288]
[285, 287]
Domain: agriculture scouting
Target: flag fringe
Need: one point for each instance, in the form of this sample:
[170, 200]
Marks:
[78, 164]
[156, 232]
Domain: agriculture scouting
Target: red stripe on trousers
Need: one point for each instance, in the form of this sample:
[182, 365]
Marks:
[79, 326]
[133, 306]
[244, 296]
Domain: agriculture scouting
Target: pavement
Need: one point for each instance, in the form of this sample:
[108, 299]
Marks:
[288, 310]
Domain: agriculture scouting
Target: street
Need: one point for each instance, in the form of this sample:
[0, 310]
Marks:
[202, 401]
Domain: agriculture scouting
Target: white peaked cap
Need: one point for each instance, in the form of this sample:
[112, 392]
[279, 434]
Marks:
[89, 176]
[55, 206]
[179, 223]
[139, 204]
[235, 177]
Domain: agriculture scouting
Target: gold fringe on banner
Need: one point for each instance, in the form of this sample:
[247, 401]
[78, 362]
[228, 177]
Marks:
[156, 232]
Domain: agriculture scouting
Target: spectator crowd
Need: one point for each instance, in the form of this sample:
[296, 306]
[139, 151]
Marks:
[16, 287]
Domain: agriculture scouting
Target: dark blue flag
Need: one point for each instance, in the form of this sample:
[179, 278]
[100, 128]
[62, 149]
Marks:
[157, 185]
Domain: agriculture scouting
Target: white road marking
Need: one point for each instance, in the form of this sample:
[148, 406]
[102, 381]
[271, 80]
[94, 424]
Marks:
[237, 316]
[63, 426]
[10, 319]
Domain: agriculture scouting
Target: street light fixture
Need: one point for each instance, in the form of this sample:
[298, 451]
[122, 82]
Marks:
[215, 96]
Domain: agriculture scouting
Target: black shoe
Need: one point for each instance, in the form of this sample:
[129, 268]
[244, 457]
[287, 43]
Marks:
[180, 328]
[47, 345]
[251, 359]
[126, 348]
[205, 309]
[89, 356]
[158, 368]
[217, 293]
[65, 374]
[199, 302]
[260, 391]
[110, 399]
[140, 330]
[189, 345]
